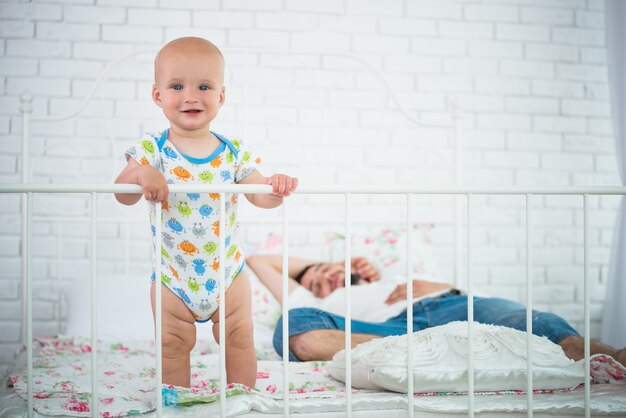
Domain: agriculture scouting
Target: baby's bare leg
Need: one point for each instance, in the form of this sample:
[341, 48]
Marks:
[178, 337]
[241, 364]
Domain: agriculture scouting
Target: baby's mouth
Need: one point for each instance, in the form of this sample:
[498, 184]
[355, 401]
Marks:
[192, 111]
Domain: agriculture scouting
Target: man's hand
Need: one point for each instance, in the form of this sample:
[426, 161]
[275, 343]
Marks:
[282, 184]
[364, 268]
[420, 288]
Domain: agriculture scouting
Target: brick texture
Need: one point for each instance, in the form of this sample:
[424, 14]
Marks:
[530, 78]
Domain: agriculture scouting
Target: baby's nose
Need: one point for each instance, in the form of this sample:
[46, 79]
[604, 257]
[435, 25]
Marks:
[190, 97]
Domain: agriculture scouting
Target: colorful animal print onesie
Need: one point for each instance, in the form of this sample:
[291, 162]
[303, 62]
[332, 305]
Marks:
[190, 222]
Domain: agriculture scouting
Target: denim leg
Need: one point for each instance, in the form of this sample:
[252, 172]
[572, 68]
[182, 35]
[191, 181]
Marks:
[497, 311]
[302, 320]
[429, 313]
[545, 324]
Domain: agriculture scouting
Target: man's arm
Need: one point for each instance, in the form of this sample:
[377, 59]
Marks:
[269, 269]
[420, 288]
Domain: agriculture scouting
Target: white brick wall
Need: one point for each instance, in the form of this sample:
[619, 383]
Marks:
[530, 76]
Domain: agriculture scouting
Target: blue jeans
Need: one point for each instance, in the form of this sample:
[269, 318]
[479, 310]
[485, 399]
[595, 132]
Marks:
[428, 313]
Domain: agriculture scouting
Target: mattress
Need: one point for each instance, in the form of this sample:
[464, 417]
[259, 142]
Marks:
[126, 371]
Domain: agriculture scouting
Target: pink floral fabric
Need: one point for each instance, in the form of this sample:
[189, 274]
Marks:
[126, 379]
[605, 369]
[386, 249]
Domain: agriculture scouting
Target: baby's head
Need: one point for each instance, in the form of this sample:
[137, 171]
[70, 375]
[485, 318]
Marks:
[189, 81]
[189, 49]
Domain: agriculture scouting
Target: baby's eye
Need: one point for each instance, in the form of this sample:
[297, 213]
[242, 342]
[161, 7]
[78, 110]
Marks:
[204, 87]
[177, 87]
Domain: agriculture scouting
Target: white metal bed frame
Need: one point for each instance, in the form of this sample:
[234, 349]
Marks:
[27, 190]
[347, 191]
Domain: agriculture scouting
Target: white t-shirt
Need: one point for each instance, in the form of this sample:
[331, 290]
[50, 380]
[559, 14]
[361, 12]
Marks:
[368, 301]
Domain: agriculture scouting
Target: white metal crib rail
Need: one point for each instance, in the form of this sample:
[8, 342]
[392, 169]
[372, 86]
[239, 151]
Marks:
[347, 191]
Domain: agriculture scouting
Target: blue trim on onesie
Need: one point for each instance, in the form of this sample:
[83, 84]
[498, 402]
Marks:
[228, 143]
[225, 143]
[162, 139]
[208, 159]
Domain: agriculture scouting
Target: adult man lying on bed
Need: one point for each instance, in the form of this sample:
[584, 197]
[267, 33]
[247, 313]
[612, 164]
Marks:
[317, 297]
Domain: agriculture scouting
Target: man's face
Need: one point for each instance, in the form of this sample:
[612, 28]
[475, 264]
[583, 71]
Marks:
[323, 278]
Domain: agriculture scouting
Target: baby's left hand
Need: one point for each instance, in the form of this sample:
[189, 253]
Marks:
[282, 184]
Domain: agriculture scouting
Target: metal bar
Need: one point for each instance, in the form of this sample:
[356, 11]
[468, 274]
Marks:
[246, 94]
[59, 281]
[101, 219]
[285, 307]
[132, 188]
[28, 291]
[586, 298]
[470, 312]
[348, 330]
[249, 219]
[26, 109]
[457, 240]
[322, 189]
[529, 310]
[158, 317]
[458, 181]
[222, 304]
[94, 307]
[409, 306]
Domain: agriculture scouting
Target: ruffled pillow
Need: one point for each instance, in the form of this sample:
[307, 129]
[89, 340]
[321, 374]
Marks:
[440, 361]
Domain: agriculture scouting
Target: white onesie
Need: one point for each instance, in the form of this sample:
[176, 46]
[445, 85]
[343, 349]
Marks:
[190, 221]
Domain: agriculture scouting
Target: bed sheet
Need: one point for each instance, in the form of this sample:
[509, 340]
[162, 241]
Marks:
[126, 376]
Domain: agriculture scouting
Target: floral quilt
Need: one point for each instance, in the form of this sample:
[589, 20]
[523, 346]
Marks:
[126, 379]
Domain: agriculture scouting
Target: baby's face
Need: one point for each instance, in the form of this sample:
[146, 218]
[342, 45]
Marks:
[189, 87]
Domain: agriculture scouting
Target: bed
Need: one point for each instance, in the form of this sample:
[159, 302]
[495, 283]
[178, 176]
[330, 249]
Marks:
[125, 356]
[127, 375]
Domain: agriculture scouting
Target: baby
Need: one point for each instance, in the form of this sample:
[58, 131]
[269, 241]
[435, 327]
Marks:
[189, 87]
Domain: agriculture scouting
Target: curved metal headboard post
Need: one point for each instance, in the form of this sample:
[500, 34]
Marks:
[26, 108]
[101, 77]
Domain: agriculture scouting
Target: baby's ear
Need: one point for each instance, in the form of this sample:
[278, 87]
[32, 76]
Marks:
[222, 96]
[156, 95]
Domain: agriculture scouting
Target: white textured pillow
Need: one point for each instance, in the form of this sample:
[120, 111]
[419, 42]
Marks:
[440, 361]
[265, 308]
[124, 310]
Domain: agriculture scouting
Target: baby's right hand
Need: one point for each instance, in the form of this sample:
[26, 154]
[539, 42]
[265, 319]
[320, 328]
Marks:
[153, 184]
